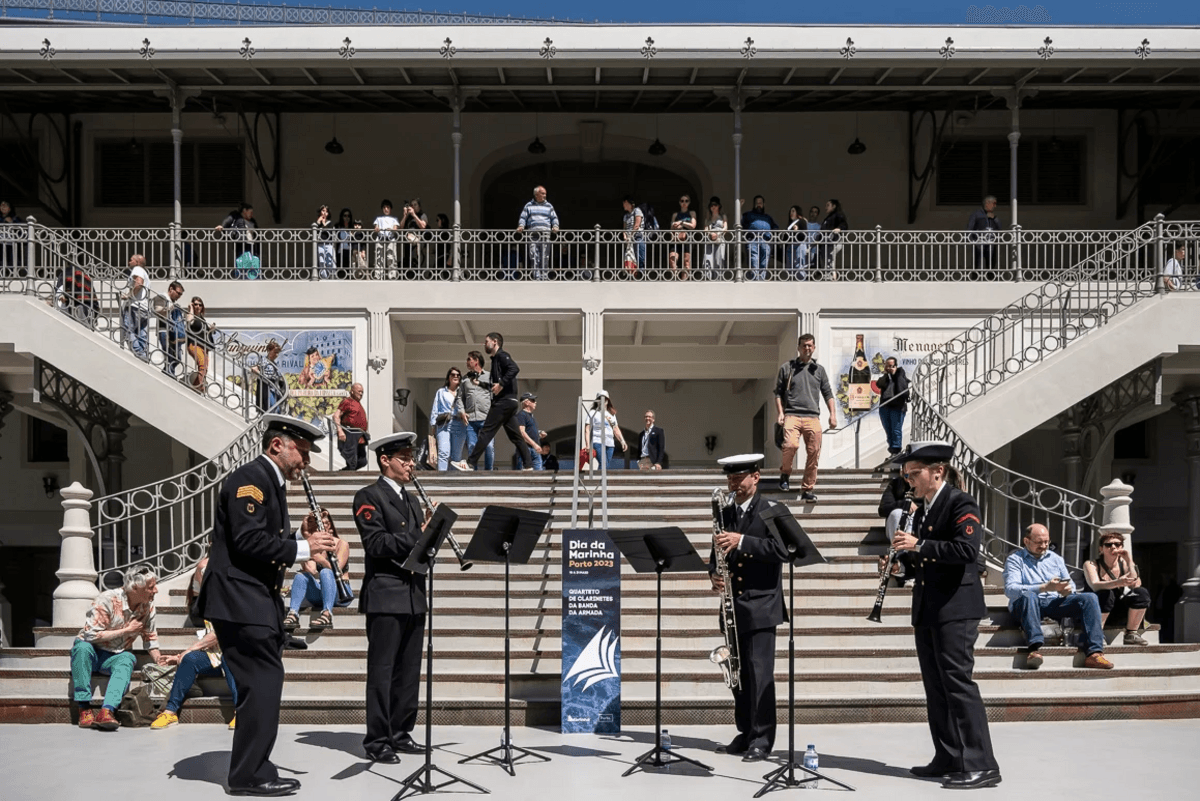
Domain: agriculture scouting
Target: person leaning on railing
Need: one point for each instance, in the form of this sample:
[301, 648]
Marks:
[893, 402]
[1117, 582]
[540, 219]
[199, 341]
[1173, 270]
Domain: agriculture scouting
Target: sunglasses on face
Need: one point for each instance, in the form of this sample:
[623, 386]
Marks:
[1113, 544]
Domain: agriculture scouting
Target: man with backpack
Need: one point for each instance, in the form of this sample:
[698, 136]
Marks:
[801, 387]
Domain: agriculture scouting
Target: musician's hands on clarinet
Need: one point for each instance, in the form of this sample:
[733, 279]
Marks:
[727, 541]
[904, 541]
[319, 540]
[718, 584]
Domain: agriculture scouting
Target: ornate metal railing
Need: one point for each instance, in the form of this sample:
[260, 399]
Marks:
[1046, 320]
[182, 12]
[165, 523]
[597, 254]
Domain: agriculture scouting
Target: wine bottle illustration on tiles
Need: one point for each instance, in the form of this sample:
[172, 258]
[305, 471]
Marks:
[859, 389]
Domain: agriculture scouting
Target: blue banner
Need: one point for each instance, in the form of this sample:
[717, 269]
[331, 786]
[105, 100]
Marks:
[591, 633]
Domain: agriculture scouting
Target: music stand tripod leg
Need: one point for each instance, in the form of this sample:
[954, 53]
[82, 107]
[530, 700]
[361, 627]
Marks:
[506, 749]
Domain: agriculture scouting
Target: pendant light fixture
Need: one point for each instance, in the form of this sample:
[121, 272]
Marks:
[857, 148]
[536, 147]
[333, 147]
[658, 148]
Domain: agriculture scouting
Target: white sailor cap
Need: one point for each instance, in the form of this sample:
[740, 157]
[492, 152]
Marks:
[385, 446]
[295, 427]
[742, 463]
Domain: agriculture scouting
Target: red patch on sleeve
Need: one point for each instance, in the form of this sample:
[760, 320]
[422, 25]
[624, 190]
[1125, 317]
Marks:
[968, 517]
[360, 509]
[970, 530]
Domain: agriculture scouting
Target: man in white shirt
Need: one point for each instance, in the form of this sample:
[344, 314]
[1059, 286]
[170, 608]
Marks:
[386, 227]
[1173, 271]
[136, 314]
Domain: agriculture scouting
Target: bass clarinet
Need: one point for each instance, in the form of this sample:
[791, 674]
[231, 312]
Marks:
[885, 572]
[725, 655]
[463, 564]
[343, 587]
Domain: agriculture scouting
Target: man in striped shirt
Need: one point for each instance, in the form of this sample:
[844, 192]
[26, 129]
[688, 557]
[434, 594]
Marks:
[538, 217]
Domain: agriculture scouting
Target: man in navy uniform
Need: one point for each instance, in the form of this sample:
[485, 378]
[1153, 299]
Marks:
[942, 552]
[755, 557]
[390, 522]
[252, 545]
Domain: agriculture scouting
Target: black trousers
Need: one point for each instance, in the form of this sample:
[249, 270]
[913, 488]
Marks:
[957, 718]
[354, 448]
[754, 704]
[393, 679]
[254, 654]
[502, 413]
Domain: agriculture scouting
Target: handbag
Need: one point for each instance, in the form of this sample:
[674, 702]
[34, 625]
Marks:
[585, 454]
[248, 266]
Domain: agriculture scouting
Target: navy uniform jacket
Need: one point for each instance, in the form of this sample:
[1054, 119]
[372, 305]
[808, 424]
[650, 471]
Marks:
[252, 546]
[656, 444]
[389, 530]
[756, 568]
[946, 567]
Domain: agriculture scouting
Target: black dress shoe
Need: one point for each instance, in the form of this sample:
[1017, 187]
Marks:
[738, 746]
[808, 497]
[275, 787]
[388, 757]
[928, 771]
[409, 746]
[784, 486]
[755, 754]
[972, 779]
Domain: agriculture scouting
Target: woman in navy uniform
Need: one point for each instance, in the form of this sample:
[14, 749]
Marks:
[390, 521]
[942, 552]
[755, 558]
[252, 545]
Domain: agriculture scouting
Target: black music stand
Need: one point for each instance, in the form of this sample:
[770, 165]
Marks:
[781, 524]
[659, 550]
[506, 535]
[421, 561]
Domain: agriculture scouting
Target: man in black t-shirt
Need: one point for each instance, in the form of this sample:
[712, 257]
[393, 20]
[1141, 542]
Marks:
[505, 405]
[528, 427]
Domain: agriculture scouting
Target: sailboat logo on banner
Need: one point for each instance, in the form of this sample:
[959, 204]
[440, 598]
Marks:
[597, 661]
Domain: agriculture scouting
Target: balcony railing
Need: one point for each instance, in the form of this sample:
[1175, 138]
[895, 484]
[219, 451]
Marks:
[597, 254]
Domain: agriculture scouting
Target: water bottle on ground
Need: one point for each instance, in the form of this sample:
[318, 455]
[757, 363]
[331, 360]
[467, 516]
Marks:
[664, 740]
[1068, 630]
[810, 763]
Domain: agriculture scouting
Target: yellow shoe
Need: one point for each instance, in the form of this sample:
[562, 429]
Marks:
[233, 723]
[164, 720]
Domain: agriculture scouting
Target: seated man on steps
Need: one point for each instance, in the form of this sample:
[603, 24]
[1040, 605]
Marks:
[1037, 585]
[202, 659]
[315, 584]
[116, 619]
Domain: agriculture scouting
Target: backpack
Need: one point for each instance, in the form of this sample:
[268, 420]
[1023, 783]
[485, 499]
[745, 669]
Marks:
[649, 221]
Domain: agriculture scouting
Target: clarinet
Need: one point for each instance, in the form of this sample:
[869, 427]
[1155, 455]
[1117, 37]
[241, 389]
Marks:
[885, 572]
[343, 587]
[463, 564]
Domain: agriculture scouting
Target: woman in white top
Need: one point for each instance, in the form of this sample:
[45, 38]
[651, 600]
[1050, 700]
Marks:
[714, 248]
[442, 414]
[604, 420]
[794, 246]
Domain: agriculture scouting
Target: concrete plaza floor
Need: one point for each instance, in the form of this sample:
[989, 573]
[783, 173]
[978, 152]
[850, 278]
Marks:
[1105, 759]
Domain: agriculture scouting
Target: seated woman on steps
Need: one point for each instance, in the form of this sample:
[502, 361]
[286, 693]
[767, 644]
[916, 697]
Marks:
[1117, 582]
[315, 584]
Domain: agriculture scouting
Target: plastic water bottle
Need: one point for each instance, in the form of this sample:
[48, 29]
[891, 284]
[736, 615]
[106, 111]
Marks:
[810, 763]
[1068, 630]
[664, 740]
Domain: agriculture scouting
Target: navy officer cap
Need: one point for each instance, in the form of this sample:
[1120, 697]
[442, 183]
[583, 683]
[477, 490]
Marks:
[742, 463]
[295, 427]
[928, 452]
[386, 446]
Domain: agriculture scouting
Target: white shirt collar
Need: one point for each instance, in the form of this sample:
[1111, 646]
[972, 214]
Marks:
[278, 473]
[395, 487]
[933, 500]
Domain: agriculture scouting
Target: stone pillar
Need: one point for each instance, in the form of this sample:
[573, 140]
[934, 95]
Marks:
[378, 385]
[1116, 512]
[1187, 612]
[76, 565]
[118, 424]
[1073, 550]
[6, 405]
[592, 374]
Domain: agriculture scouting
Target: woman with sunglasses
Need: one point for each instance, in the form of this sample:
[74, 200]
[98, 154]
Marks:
[1117, 582]
[324, 239]
[442, 415]
[199, 341]
[348, 236]
[683, 222]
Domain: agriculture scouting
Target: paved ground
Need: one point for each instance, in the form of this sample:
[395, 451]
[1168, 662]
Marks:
[1131, 760]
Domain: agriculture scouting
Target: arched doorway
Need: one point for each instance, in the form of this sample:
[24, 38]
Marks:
[585, 194]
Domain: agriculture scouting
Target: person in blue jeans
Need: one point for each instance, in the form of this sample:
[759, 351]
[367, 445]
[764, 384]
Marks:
[1038, 585]
[471, 408]
[195, 663]
[171, 330]
[315, 584]
[441, 415]
[893, 403]
[528, 427]
[759, 224]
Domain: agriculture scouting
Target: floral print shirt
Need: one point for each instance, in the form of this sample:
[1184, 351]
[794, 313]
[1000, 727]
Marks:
[111, 611]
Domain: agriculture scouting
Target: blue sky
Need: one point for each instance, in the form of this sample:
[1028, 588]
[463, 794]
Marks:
[1061, 12]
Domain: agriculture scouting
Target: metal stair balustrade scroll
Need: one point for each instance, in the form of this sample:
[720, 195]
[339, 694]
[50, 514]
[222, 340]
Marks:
[1002, 346]
[1044, 321]
[594, 254]
[69, 276]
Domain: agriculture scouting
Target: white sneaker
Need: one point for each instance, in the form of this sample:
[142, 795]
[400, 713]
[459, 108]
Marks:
[462, 465]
